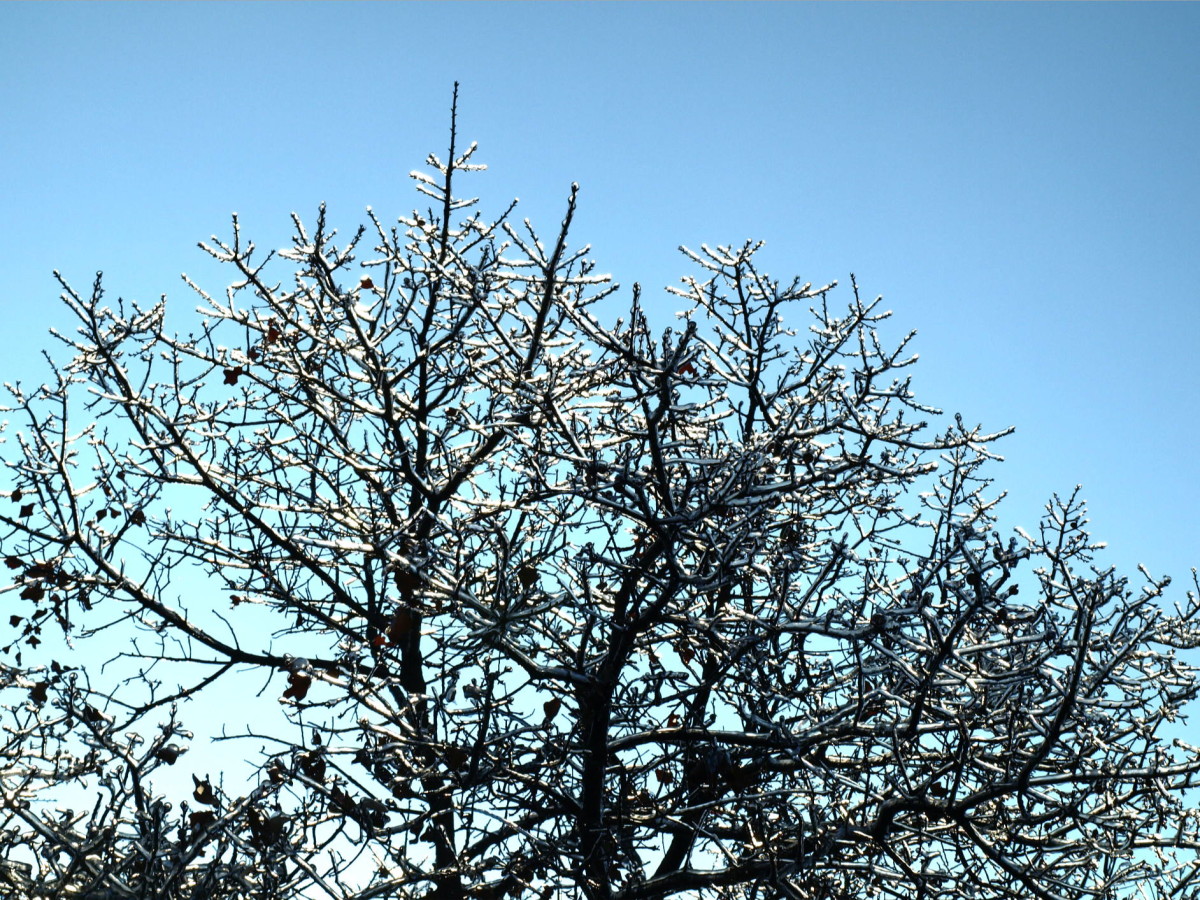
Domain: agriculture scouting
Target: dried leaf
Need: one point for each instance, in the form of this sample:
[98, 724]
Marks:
[298, 685]
[201, 819]
[312, 765]
[204, 792]
[170, 753]
[527, 575]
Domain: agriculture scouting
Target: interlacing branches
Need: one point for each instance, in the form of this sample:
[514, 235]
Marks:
[555, 607]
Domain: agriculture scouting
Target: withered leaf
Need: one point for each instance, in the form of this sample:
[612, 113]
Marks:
[40, 570]
[342, 801]
[313, 765]
[37, 693]
[26, 511]
[265, 830]
[298, 685]
[204, 792]
[201, 819]
[527, 575]
[13, 562]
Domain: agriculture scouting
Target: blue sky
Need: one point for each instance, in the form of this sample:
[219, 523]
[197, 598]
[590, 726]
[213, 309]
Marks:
[1019, 181]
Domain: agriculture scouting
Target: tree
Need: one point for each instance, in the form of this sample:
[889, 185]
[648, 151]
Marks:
[557, 608]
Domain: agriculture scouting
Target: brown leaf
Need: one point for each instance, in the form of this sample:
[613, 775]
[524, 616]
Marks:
[342, 801]
[265, 831]
[34, 592]
[685, 651]
[137, 517]
[204, 792]
[169, 753]
[16, 495]
[232, 375]
[313, 765]
[13, 562]
[298, 685]
[26, 511]
[527, 575]
[201, 819]
[366, 283]
[665, 775]
[551, 708]
[37, 693]
[40, 570]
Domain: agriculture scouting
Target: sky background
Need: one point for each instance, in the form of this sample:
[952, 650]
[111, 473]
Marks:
[1020, 182]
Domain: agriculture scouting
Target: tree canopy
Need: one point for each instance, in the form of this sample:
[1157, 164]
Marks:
[554, 604]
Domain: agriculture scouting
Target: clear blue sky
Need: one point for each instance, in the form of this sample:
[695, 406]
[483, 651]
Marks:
[1019, 181]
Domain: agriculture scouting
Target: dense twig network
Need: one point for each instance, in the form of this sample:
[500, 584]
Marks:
[555, 607]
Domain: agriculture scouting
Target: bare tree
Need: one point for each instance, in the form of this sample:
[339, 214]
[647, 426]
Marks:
[556, 608]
